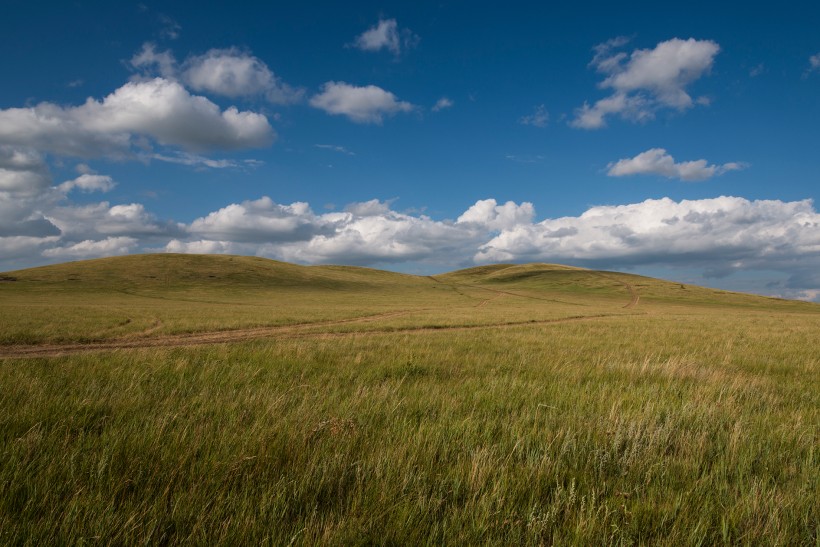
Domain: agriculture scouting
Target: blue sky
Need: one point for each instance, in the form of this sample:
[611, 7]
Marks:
[672, 141]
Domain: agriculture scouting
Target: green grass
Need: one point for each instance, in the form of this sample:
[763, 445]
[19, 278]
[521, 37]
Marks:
[691, 418]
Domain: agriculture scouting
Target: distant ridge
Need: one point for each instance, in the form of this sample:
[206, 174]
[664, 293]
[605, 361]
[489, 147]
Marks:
[176, 271]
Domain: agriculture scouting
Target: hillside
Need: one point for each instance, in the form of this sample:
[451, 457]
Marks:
[145, 296]
[176, 271]
[217, 399]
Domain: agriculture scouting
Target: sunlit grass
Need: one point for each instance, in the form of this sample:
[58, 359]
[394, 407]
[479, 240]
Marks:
[672, 423]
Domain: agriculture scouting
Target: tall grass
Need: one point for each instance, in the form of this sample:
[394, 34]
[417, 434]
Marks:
[693, 428]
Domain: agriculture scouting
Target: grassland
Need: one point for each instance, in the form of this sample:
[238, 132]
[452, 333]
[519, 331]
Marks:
[169, 399]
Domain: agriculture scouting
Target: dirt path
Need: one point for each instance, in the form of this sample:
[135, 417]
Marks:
[281, 332]
[298, 330]
[488, 300]
[633, 293]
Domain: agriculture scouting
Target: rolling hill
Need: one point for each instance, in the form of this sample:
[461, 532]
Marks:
[141, 298]
[223, 399]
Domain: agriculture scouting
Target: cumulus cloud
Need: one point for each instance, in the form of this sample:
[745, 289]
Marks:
[17, 251]
[22, 171]
[726, 232]
[386, 35]
[646, 80]
[382, 237]
[261, 220]
[202, 246]
[80, 222]
[442, 104]
[538, 118]
[158, 109]
[233, 73]
[47, 218]
[488, 214]
[22, 214]
[658, 161]
[719, 236]
[364, 233]
[110, 246]
[89, 183]
[371, 208]
[367, 104]
[228, 72]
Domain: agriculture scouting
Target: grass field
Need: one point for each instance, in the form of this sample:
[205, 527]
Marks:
[214, 399]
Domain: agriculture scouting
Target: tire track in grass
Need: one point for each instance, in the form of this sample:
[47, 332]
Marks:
[633, 292]
[301, 330]
[282, 332]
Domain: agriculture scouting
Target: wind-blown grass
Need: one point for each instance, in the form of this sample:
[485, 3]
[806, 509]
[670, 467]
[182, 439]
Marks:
[672, 424]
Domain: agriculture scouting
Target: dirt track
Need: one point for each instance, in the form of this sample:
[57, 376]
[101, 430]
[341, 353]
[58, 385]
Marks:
[633, 293]
[301, 330]
[242, 335]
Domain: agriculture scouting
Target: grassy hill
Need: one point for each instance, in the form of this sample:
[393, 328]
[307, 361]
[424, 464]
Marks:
[202, 272]
[169, 399]
[144, 295]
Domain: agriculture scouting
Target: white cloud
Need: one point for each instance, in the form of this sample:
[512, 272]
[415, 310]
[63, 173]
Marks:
[719, 236]
[260, 220]
[229, 72]
[17, 251]
[150, 60]
[89, 183]
[159, 109]
[442, 104]
[633, 108]
[79, 222]
[386, 35]
[488, 214]
[371, 208]
[807, 295]
[727, 233]
[367, 104]
[22, 171]
[538, 118]
[22, 214]
[45, 217]
[365, 233]
[91, 249]
[233, 73]
[658, 161]
[202, 246]
[380, 238]
[647, 79]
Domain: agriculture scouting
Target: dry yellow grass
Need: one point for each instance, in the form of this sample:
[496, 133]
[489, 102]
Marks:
[689, 418]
